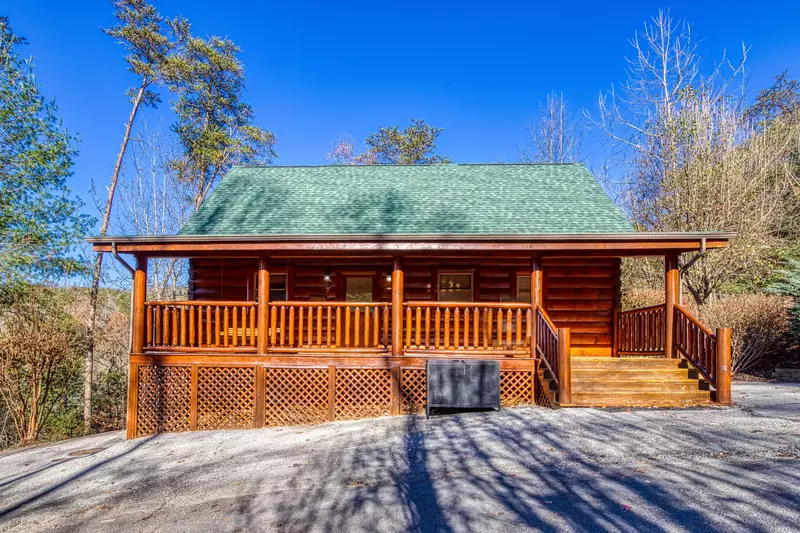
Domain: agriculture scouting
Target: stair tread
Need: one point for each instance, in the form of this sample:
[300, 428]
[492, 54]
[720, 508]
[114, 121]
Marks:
[637, 380]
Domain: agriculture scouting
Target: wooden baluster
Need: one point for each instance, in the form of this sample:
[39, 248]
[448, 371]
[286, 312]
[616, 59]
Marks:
[466, 328]
[209, 338]
[281, 325]
[300, 329]
[347, 327]
[199, 325]
[508, 327]
[175, 326]
[376, 326]
[148, 313]
[310, 327]
[428, 327]
[273, 324]
[446, 328]
[418, 330]
[235, 312]
[529, 336]
[457, 328]
[338, 327]
[357, 328]
[165, 326]
[488, 334]
[328, 327]
[437, 328]
[476, 328]
[218, 325]
[519, 328]
[385, 312]
[191, 324]
[158, 325]
[319, 325]
[225, 322]
[252, 311]
[291, 326]
[182, 322]
[366, 327]
[408, 326]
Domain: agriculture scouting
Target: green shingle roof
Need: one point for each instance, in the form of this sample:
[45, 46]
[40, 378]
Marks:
[435, 199]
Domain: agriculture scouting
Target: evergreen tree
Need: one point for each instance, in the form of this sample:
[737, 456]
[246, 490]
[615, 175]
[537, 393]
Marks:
[39, 221]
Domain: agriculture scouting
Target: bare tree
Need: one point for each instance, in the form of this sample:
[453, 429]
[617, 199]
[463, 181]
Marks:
[343, 152]
[693, 159]
[141, 32]
[554, 135]
[40, 350]
[154, 201]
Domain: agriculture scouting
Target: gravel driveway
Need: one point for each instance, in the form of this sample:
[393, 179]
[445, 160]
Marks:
[722, 469]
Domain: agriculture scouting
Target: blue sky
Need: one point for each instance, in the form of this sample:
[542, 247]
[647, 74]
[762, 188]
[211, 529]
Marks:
[317, 70]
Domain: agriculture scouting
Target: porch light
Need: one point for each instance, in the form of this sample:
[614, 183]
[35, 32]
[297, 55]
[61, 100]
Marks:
[388, 277]
[327, 276]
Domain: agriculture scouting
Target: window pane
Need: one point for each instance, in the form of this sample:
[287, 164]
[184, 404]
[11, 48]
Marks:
[523, 288]
[455, 287]
[358, 289]
[277, 287]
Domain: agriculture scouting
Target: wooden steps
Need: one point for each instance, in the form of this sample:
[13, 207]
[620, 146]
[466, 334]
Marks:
[635, 381]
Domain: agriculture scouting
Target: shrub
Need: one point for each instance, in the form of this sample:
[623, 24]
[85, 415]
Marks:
[635, 298]
[759, 324]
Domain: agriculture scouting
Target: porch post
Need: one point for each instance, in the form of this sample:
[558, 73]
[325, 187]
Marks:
[396, 375]
[564, 367]
[139, 297]
[397, 307]
[263, 302]
[672, 282]
[536, 300]
[723, 369]
[138, 321]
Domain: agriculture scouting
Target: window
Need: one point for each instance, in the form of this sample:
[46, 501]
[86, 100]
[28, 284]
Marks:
[277, 287]
[455, 287]
[523, 288]
[358, 289]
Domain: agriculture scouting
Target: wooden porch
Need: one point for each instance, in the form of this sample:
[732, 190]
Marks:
[203, 364]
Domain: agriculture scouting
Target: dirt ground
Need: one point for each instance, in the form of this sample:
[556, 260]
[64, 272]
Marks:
[711, 469]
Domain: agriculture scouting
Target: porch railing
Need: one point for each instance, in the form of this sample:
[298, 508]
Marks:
[641, 331]
[343, 326]
[197, 326]
[696, 343]
[547, 343]
[552, 346]
[467, 326]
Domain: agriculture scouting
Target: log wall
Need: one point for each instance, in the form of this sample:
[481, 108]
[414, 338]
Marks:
[579, 293]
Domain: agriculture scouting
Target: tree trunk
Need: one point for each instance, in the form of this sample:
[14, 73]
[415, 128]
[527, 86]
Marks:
[88, 367]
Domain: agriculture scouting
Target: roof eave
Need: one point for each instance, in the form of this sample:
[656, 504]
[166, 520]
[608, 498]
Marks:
[397, 243]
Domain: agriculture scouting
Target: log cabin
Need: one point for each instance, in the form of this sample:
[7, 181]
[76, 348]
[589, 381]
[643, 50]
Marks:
[321, 293]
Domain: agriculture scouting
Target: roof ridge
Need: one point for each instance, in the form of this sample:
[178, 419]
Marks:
[437, 165]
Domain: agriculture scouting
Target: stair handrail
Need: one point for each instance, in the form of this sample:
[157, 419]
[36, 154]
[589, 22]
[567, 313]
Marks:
[546, 342]
[707, 352]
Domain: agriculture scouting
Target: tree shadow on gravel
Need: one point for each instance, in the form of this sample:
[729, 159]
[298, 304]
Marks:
[525, 468]
[518, 469]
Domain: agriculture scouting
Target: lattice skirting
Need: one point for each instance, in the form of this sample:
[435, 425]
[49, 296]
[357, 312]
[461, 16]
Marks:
[414, 390]
[296, 396]
[196, 396]
[226, 397]
[164, 394]
[362, 393]
[516, 388]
